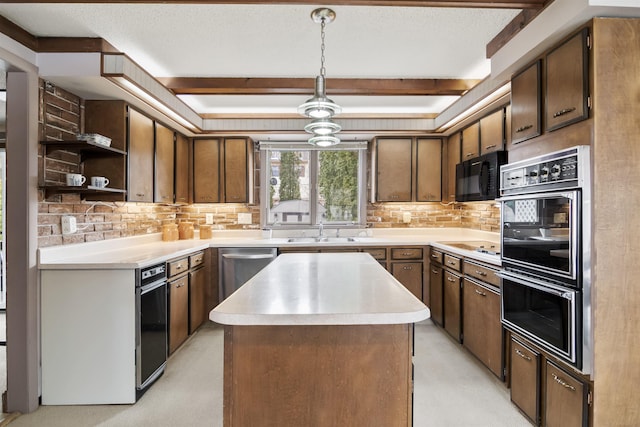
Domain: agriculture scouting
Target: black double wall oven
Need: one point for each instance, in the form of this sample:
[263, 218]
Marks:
[546, 239]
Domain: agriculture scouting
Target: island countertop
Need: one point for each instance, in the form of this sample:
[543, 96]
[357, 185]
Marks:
[321, 289]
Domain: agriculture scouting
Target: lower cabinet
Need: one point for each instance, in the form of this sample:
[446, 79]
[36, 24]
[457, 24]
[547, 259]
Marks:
[525, 380]
[451, 304]
[436, 291]
[178, 312]
[566, 398]
[410, 275]
[197, 295]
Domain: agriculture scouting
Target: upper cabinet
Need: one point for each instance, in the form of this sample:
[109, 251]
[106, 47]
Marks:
[471, 141]
[492, 132]
[141, 157]
[222, 170]
[453, 158]
[408, 169]
[567, 73]
[526, 104]
[182, 168]
[164, 170]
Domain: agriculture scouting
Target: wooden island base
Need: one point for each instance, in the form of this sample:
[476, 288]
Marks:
[320, 375]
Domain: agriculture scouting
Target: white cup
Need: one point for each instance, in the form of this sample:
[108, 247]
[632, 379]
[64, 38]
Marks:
[75, 179]
[99, 181]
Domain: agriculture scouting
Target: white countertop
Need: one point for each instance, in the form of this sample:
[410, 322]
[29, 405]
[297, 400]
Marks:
[321, 289]
[142, 251]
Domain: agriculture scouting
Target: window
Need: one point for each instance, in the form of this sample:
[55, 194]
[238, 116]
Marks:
[307, 186]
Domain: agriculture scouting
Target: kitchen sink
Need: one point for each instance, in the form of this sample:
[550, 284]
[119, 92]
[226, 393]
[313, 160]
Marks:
[321, 239]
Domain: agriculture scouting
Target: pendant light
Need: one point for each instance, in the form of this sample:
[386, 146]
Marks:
[319, 107]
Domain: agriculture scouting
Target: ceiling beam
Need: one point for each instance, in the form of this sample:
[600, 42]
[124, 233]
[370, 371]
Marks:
[304, 86]
[514, 27]
[493, 4]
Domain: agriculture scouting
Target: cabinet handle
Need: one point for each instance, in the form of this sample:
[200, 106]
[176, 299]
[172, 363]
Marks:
[178, 267]
[406, 254]
[140, 194]
[489, 147]
[563, 112]
[481, 273]
[523, 128]
[470, 155]
[562, 382]
[521, 354]
[435, 271]
[451, 262]
[406, 268]
[449, 279]
[482, 294]
[434, 256]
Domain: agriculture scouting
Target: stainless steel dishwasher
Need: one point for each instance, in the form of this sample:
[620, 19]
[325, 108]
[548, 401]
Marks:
[238, 265]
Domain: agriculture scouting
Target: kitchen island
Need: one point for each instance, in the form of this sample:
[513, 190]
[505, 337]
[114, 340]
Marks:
[319, 339]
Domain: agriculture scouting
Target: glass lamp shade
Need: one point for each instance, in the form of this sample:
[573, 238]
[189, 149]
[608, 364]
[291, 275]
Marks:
[324, 140]
[323, 127]
[319, 106]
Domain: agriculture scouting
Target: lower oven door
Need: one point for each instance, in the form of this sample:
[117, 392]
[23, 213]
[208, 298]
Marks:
[545, 313]
[151, 334]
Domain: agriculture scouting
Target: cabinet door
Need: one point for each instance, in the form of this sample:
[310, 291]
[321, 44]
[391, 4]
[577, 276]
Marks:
[178, 312]
[429, 170]
[197, 300]
[164, 170]
[435, 288]
[211, 288]
[236, 171]
[492, 132]
[481, 325]
[182, 169]
[451, 302]
[206, 169]
[410, 275]
[393, 166]
[471, 141]
[525, 380]
[526, 104]
[567, 82]
[566, 399]
[141, 157]
[453, 158]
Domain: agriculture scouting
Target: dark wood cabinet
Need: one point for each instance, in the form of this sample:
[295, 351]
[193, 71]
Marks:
[471, 141]
[526, 103]
[566, 398]
[452, 304]
[178, 312]
[197, 291]
[435, 287]
[483, 335]
[492, 132]
[567, 82]
[141, 158]
[164, 164]
[406, 266]
[182, 168]
[525, 379]
[453, 158]
[393, 169]
[429, 170]
[222, 170]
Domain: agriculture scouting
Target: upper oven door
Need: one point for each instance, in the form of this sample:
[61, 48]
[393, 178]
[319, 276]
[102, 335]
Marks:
[540, 232]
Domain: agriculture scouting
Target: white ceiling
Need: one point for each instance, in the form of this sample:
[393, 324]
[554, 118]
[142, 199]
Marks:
[200, 40]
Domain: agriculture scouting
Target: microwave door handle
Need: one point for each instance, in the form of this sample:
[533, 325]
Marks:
[484, 179]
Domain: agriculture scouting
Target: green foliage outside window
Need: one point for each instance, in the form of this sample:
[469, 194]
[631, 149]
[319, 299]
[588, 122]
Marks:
[289, 184]
[338, 184]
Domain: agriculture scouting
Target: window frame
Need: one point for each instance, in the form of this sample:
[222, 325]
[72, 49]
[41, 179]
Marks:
[267, 147]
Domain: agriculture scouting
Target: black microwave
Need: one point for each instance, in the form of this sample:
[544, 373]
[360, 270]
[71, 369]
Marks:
[479, 179]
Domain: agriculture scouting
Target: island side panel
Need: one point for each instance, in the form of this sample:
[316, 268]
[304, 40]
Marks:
[317, 375]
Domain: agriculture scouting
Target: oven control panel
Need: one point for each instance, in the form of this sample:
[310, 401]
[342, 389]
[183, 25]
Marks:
[562, 168]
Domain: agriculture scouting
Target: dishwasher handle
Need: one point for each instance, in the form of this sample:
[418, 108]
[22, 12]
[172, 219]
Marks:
[248, 256]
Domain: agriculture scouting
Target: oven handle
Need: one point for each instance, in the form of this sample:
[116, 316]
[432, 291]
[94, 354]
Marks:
[536, 284]
[572, 195]
[151, 286]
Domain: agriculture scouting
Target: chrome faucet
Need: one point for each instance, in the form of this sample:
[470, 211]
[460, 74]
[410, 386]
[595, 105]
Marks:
[321, 232]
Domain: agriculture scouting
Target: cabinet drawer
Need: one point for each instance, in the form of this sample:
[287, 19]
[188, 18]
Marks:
[406, 253]
[452, 262]
[377, 253]
[436, 256]
[196, 259]
[178, 266]
[482, 273]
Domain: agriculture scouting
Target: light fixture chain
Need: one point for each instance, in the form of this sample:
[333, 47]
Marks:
[322, 69]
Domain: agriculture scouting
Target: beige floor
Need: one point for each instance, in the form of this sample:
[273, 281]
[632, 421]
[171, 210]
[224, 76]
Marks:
[451, 389]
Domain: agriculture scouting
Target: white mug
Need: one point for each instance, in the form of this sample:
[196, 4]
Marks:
[99, 181]
[75, 179]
